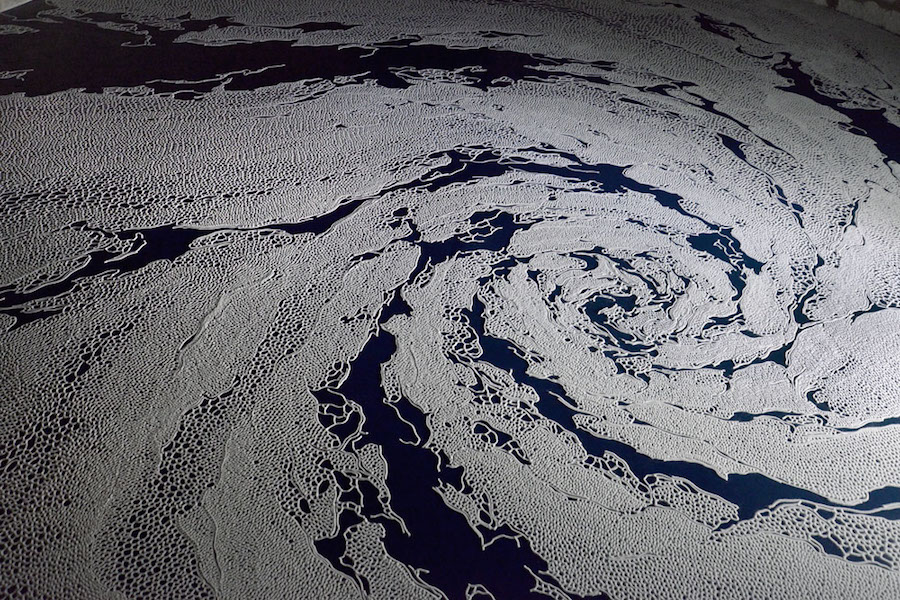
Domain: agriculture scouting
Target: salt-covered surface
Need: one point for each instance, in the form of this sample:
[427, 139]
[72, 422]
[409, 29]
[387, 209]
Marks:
[456, 299]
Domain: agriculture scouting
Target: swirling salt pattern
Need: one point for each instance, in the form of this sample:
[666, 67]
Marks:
[459, 300]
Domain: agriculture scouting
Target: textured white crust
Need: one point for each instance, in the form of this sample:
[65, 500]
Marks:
[162, 429]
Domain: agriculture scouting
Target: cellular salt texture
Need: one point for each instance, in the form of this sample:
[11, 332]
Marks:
[457, 300]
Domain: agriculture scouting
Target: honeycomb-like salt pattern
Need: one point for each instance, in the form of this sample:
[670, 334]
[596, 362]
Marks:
[460, 300]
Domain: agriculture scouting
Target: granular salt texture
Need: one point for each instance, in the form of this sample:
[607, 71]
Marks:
[453, 300]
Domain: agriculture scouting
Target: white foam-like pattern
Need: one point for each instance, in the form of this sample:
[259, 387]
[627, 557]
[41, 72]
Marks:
[857, 537]
[626, 320]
